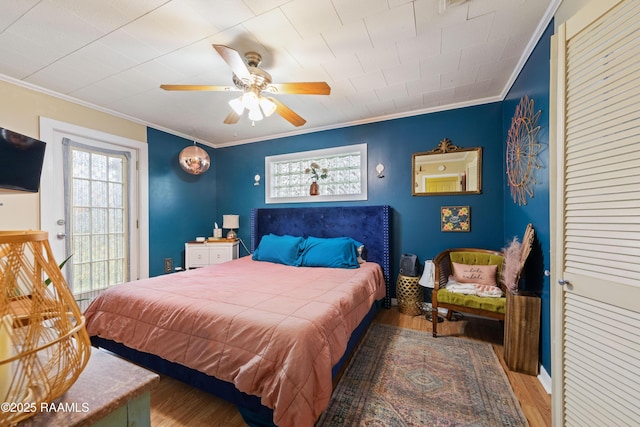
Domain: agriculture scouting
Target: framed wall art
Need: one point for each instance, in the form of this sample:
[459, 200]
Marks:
[455, 218]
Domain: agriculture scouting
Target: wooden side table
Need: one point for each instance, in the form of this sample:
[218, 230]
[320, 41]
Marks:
[410, 295]
[522, 332]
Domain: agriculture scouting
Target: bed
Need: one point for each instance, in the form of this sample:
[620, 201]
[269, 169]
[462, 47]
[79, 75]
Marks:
[268, 337]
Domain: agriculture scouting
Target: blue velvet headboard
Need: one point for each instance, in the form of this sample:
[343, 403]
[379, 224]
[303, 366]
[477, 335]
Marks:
[366, 224]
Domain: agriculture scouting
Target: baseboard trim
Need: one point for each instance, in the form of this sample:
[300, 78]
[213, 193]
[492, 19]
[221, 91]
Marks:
[545, 379]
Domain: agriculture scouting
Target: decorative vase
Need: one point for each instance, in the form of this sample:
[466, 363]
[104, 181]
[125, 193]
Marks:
[314, 189]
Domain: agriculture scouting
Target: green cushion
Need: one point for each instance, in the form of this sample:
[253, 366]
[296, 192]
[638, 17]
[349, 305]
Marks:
[496, 305]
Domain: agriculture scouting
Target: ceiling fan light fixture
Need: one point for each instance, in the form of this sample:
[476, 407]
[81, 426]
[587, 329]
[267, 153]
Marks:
[268, 107]
[250, 100]
[255, 114]
[252, 81]
[236, 104]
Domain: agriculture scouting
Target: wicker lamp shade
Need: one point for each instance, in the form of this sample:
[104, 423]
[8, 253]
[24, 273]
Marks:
[44, 345]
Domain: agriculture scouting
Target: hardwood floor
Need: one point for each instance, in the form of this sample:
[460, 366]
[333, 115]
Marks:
[174, 403]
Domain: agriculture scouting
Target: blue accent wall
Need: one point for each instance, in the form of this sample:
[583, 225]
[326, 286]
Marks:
[415, 219]
[181, 206]
[533, 81]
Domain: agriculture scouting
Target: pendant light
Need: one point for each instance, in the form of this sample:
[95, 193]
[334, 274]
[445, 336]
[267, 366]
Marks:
[194, 160]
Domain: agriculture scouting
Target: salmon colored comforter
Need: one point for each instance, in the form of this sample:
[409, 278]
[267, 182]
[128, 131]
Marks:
[274, 331]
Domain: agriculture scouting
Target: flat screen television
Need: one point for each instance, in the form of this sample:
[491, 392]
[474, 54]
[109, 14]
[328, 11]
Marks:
[21, 159]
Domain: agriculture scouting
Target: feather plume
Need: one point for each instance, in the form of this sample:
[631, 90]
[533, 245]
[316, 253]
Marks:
[510, 273]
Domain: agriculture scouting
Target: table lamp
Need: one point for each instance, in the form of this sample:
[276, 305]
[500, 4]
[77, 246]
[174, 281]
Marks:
[231, 222]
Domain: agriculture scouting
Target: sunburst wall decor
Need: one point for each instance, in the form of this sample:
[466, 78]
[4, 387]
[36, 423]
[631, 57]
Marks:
[522, 151]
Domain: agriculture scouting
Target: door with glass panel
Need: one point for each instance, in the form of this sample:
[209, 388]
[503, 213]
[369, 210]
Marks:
[97, 225]
[94, 205]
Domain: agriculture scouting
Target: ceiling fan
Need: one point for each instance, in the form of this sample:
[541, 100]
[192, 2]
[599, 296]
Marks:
[257, 86]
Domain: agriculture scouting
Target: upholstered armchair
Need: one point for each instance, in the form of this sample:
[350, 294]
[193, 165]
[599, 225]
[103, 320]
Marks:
[486, 306]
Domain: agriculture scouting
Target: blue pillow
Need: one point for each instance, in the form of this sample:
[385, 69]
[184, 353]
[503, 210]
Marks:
[279, 249]
[336, 252]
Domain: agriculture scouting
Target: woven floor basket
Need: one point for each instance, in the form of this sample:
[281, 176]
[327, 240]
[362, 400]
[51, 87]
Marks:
[44, 345]
[410, 295]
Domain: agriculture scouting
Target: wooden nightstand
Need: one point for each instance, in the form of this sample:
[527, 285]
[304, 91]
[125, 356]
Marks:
[201, 254]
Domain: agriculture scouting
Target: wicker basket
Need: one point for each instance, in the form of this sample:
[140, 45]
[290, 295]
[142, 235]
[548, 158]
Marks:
[43, 341]
[410, 295]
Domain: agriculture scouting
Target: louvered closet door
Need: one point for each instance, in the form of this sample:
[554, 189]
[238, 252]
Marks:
[596, 365]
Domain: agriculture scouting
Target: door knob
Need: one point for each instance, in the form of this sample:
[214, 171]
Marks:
[61, 235]
[563, 282]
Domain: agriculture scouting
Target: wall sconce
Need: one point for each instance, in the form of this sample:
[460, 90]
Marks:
[257, 180]
[380, 169]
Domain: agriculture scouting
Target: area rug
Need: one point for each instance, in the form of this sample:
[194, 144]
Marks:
[403, 377]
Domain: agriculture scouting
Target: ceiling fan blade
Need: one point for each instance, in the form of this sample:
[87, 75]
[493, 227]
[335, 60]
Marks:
[199, 87]
[232, 118]
[233, 60]
[301, 88]
[287, 113]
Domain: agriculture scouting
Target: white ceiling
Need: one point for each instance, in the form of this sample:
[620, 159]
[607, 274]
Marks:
[382, 58]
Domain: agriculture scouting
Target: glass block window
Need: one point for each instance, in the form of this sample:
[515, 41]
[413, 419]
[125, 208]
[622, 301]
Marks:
[340, 174]
[97, 228]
